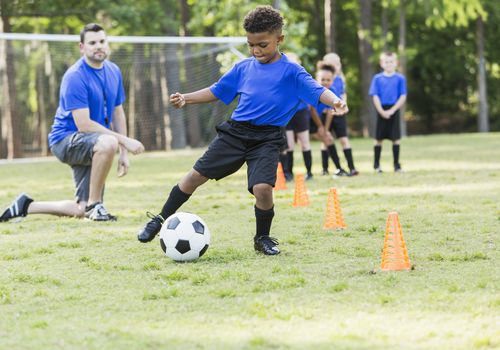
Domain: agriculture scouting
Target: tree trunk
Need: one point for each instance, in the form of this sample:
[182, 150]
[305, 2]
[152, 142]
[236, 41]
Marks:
[165, 121]
[402, 58]
[365, 52]
[483, 120]
[42, 111]
[192, 111]
[330, 40]
[277, 4]
[13, 135]
[385, 25]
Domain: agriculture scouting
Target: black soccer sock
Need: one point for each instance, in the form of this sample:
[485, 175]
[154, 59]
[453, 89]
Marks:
[175, 200]
[289, 156]
[332, 150]
[395, 154]
[377, 150]
[348, 157]
[307, 160]
[284, 161]
[263, 220]
[324, 159]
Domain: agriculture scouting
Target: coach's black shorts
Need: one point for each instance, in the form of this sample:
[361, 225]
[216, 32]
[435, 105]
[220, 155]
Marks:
[240, 142]
[388, 128]
[300, 121]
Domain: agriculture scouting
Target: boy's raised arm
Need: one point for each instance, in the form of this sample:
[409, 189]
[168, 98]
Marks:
[200, 96]
[332, 100]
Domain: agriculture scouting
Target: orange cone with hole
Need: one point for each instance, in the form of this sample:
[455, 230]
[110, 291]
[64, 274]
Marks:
[333, 217]
[300, 197]
[395, 254]
[280, 179]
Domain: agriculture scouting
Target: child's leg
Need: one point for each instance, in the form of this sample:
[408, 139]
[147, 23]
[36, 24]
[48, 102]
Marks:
[332, 151]
[305, 144]
[264, 214]
[290, 138]
[377, 150]
[348, 153]
[395, 155]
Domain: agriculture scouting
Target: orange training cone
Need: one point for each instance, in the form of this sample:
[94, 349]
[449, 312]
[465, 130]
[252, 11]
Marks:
[300, 197]
[280, 179]
[333, 218]
[395, 255]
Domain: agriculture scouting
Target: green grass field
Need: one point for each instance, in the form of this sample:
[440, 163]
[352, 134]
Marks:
[72, 284]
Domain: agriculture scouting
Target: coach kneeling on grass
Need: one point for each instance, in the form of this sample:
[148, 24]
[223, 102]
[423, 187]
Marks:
[88, 129]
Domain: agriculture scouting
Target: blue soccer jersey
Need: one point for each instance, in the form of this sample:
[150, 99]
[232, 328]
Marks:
[388, 88]
[269, 94]
[338, 86]
[99, 90]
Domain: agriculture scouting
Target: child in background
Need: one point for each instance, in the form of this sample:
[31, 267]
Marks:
[388, 90]
[338, 88]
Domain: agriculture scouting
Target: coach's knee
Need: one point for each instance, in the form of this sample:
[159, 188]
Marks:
[106, 144]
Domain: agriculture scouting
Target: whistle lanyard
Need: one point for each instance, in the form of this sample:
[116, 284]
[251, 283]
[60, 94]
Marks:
[102, 82]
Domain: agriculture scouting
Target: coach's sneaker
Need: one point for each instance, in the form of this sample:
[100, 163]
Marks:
[266, 245]
[18, 208]
[340, 173]
[151, 229]
[97, 212]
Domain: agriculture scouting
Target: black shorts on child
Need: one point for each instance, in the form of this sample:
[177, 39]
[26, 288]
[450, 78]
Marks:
[388, 128]
[338, 126]
[240, 142]
[300, 121]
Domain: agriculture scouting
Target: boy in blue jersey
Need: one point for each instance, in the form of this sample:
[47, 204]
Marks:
[89, 127]
[269, 88]
[339, 121]
[389, 95]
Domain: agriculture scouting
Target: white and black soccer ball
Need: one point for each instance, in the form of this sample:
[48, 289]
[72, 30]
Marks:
[184, 237]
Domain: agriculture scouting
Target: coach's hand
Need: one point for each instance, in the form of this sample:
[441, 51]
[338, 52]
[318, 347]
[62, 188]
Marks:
[123, 164]
[133, 146]
[177, 100]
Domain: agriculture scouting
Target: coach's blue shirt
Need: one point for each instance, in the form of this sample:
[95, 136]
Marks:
[269, 94]
[99, 90]
[388, 88]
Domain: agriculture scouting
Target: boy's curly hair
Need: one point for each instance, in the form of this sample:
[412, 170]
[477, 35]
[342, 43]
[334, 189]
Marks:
[323, 65]
[263, 19]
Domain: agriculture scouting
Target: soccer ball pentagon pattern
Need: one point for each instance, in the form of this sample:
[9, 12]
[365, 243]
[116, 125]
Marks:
[184, 237]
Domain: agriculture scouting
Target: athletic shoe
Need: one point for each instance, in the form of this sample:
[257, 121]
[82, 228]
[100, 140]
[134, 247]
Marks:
[378, 171]
[266, 245]
[397, 168]
[353, 172]
[309, 177]
[325, 172]
[340, 172]
[18, 208]
[151, 229]
[97, 212]
[288, 177]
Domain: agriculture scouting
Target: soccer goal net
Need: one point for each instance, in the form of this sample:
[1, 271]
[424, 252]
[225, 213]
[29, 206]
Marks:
[32, 66]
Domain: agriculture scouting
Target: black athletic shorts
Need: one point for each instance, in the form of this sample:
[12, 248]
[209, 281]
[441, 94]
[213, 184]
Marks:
[237, 143]
[300, 121]
[388, 128]
[338, 126]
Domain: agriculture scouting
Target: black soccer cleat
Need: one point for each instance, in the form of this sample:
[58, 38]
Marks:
[353, 172]
[325, 172]
[397, 168]
[266, 245]
[97, 212]
[309, 177]
[18, 208]
[151, 229]
[378, 171]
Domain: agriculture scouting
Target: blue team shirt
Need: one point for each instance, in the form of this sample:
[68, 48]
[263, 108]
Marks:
[337, 88]
[388, 88]
[99, 90]
[269, 94]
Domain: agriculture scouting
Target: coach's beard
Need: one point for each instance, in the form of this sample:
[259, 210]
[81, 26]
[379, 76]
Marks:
[98, 57]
